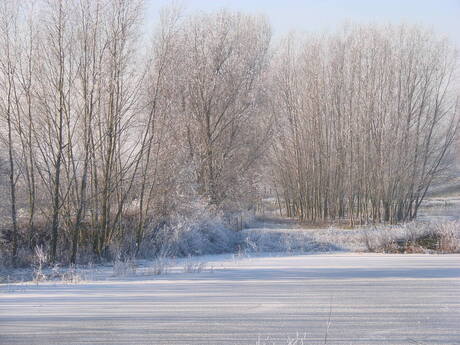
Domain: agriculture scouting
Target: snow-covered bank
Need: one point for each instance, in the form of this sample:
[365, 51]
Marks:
[267, 237]
[292, 238]
[372, 298]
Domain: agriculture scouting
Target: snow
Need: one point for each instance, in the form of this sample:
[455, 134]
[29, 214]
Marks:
[289, 237]
[372, 299]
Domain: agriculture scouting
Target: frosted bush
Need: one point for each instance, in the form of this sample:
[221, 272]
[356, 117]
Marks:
[284, 241]
[70, 275]
[122, 268]
[194, 267]
[40, 259]
[159, 266]
[413, 237]
[299, 339]
[195, 231]
[449, 237]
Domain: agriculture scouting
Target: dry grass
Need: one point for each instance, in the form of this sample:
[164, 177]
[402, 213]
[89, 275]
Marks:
[415, 237]
[123, 268]
[194, 267]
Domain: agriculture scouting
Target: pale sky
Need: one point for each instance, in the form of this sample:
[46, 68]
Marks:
[443, 16]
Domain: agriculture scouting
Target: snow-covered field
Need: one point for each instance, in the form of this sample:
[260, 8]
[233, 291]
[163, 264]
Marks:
[361, 298]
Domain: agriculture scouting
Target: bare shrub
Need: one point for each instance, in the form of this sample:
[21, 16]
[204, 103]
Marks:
[160, 266]
[376, 240]
[194, 267]
[413, 237]
[39, 263]
[123, 268]
[369, 241]
[284, 241]
[448, 237]
[70, 275]
[195, 230]
[299, 339]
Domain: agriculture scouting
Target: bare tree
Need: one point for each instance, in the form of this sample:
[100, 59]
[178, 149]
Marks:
[224, 57]
[8, 65]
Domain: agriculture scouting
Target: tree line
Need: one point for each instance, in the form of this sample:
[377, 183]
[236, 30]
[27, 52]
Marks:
[368, 117]
[108, 132]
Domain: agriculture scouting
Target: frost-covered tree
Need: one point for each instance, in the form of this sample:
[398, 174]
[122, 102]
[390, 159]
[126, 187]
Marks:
[366, 119]
[220, 96]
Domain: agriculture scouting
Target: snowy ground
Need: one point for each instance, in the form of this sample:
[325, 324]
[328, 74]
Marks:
[369, 298]
[274, 234]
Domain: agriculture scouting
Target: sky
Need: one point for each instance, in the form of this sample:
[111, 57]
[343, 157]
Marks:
[443, 16]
